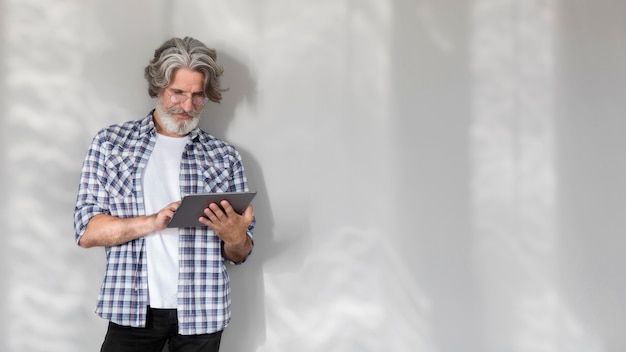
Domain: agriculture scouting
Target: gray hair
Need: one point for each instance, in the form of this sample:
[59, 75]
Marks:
[187, 53]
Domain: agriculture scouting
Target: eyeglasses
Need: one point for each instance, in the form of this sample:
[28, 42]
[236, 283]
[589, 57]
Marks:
[196, 100]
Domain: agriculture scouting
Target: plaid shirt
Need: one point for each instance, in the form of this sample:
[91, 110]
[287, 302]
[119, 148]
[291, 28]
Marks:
[111, 183]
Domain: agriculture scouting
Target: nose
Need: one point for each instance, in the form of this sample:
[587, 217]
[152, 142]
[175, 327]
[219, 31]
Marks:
[187, 105]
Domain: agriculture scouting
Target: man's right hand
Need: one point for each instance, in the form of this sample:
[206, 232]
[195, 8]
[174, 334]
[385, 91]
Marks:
[106, 230]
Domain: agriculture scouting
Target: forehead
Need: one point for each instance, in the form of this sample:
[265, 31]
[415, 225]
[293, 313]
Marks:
[186, 80]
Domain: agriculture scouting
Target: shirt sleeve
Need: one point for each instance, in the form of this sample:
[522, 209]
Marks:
[92, 197]
[240, 184]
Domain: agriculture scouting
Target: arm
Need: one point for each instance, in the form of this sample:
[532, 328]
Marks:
[106, 230]
[231, 228]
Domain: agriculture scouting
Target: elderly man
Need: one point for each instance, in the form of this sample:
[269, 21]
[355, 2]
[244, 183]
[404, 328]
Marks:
[164, 285]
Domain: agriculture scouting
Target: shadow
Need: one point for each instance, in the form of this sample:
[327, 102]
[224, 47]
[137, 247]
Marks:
[241, 86]
[592, 168]
[247, 328]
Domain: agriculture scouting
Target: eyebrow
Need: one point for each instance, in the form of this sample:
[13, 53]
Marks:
[178, 91]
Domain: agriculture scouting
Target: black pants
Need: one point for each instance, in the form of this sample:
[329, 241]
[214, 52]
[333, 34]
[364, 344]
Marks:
[161, 328]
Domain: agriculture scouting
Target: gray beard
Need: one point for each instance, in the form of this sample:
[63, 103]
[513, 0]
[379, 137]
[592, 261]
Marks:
[179, 127]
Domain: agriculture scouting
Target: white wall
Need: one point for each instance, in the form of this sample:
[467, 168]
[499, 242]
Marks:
[433, 175]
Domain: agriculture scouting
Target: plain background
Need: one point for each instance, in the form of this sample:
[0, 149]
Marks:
[433, 175]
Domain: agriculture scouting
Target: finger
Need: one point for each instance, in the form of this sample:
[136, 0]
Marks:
[208, 212]
[217, 210]
[248, 213]
[227, 208]
[209, 218]
[205, 221]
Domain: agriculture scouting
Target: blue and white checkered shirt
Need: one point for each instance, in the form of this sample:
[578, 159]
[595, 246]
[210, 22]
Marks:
[111, 183]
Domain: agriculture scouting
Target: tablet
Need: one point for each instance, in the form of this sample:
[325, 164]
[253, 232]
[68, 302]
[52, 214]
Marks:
[193, 205]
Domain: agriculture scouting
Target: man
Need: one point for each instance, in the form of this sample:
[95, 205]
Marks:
[164, 285]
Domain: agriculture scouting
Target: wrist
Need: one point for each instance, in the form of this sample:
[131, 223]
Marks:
[237, 251]
[239, 242]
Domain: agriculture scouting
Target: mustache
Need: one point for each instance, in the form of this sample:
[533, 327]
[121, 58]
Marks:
[179, 110]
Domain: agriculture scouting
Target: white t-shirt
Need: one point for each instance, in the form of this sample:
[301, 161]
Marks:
[161, 186]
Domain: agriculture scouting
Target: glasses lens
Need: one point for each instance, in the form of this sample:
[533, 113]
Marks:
[177, 98]
[199, 101]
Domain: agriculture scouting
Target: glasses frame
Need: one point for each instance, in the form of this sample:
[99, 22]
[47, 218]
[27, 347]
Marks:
[180, 98]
